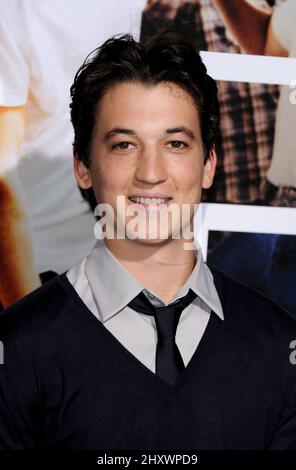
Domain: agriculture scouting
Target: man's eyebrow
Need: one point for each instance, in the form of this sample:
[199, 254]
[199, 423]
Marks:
[173, 130]
[183, 129]
[118, 130]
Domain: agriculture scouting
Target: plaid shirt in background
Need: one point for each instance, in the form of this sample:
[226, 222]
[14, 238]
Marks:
[247, 110]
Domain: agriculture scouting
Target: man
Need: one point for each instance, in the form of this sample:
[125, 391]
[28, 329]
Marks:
[259, 32]
[140, 345]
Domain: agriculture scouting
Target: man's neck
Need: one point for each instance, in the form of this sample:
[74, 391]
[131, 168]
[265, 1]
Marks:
[162, 268]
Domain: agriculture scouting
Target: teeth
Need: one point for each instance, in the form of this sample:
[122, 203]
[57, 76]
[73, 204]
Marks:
[148, 200]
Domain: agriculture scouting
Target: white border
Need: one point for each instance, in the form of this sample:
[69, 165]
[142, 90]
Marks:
[242, 218]
[249, 68]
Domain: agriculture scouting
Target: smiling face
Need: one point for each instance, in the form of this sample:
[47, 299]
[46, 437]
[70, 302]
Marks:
[147, 144]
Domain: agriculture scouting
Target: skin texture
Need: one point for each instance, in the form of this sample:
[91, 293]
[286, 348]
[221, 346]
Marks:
[251, 27]
[149, 162]
[17, 274]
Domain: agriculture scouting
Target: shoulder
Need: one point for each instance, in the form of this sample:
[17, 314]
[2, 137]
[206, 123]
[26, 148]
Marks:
[285, 10]
[250, 309]
[36, 314]
[283, 23]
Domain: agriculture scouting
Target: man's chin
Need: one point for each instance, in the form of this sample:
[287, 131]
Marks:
[147, 239]
[139, 239]
[155, 235]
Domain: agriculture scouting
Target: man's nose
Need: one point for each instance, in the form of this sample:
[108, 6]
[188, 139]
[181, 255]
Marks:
[150, 167]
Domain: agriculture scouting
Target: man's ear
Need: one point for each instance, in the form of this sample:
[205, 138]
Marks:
[82, 173]
[209, 169]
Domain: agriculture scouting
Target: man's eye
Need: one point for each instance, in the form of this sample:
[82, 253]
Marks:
[178, 144]
[121, 145]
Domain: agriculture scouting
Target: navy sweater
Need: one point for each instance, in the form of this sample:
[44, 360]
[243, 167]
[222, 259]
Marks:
[68, 383]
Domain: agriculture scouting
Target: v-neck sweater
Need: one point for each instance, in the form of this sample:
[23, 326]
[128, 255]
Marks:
[68, 383]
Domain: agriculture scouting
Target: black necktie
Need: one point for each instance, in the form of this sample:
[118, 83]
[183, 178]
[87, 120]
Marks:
[169, 361]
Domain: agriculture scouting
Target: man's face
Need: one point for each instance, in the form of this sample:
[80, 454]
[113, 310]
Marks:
[147, 144]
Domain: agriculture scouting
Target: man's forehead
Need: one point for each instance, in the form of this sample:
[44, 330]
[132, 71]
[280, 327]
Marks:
[129, 106]
[119, 91]
[127, 131]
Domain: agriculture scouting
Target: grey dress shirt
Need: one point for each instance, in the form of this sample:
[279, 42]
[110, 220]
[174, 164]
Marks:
[106, 287]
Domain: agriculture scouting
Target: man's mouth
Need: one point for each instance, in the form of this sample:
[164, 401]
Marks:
[150, 201]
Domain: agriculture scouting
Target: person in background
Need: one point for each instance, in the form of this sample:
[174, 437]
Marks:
[271, 270]
[274, 34]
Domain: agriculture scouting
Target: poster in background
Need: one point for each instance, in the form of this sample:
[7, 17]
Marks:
[45, 225]
[264, 262]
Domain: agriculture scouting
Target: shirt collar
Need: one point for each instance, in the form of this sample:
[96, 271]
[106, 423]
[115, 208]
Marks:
[113, 286]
